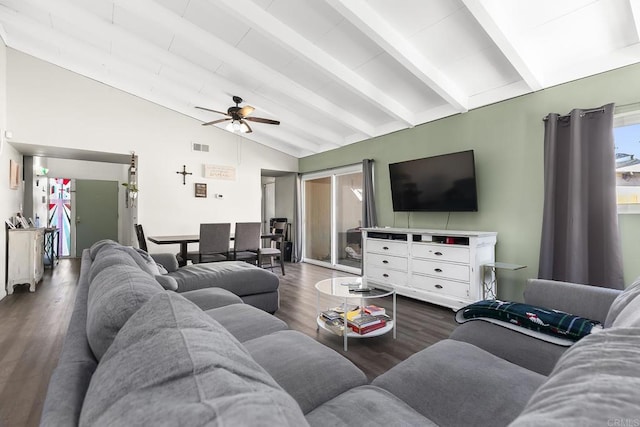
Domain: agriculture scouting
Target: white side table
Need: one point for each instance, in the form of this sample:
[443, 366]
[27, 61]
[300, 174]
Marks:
[489, 282]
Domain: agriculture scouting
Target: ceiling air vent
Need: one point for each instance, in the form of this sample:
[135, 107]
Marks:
[199, 147]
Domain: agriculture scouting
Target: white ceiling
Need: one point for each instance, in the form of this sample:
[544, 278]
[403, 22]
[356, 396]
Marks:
[334, 72]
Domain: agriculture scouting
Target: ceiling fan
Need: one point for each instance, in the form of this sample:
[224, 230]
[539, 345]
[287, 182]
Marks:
[239, 117]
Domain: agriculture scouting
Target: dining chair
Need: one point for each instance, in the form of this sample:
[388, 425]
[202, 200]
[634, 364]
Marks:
[142, 241]
[276, 249]
[214, 243]
[247, 242]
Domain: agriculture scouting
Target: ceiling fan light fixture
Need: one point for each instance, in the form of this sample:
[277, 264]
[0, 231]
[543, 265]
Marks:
[234, 126]
[244, 128]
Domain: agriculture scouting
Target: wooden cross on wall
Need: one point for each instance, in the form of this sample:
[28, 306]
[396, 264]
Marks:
[184, 174]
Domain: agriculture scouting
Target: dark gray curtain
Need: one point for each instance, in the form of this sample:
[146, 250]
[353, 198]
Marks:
[296, 255]
[369, 217]
[580, 237]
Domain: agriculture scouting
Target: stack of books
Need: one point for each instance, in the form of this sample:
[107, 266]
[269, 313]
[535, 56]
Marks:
[333, 321]
[360, 321]
[366, 323]
[374, 310]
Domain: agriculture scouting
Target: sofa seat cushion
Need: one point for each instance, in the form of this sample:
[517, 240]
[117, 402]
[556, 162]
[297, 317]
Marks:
[198, 375]
[209, 298]
[246, 322]
[368, 406]
[513, 346]
[235, 276]
[115, 294]
[595, 383]
[441, 381]
[309, 371]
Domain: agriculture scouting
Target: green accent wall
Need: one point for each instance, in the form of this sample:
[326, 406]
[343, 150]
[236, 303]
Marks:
[507, 138]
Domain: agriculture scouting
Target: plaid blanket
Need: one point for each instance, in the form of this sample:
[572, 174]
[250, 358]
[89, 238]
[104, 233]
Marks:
[547, 321]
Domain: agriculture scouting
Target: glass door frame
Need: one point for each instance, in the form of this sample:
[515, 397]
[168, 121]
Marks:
[333, 174]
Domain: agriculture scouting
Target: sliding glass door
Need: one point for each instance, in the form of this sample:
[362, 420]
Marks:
[332, 218]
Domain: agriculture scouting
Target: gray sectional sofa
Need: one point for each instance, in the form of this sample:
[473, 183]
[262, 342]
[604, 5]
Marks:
[255, 286]
[137, 354]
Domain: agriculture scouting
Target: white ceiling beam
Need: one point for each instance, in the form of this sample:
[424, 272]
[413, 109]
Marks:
[142, 48]
[504, 43]
[89, 23]
[3, 35]
[218, 48]
[112, 71]
[367, 20]
[635, 11]
[260, 20]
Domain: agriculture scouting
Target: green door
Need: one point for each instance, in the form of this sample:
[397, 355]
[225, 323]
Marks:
[96, 212]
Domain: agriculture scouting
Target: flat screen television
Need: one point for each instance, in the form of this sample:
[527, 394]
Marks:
[445, 183]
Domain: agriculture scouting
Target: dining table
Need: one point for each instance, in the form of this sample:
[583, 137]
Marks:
[184, 239]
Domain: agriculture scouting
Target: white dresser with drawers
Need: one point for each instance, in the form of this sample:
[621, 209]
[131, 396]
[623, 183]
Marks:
[442, 267]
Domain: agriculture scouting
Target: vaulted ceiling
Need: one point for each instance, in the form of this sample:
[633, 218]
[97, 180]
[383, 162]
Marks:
[333, 72]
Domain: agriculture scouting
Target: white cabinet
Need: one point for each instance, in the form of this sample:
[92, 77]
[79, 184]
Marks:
[25, 261]
[438, 266]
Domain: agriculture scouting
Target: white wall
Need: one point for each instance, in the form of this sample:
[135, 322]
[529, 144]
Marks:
[10, 200]
[77, 112]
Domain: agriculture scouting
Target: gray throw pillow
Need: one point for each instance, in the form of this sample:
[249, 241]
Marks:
[199, 375]
[596, 383]
[167, 282]
[620, 303]
[114, 295]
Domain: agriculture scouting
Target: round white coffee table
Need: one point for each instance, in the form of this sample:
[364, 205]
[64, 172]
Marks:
[350, 289]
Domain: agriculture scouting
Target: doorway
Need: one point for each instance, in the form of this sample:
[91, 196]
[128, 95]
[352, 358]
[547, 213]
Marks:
[96, 212]
[59, 213]
[332, 212]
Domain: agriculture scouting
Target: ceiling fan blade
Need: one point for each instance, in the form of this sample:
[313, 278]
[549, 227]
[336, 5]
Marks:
[245, 111]
[261, 120]
[216, 121]
[213, 111]
[249, 130]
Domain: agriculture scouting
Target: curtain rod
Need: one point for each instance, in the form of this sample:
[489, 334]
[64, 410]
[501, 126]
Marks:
[336, 167]
[582, 114]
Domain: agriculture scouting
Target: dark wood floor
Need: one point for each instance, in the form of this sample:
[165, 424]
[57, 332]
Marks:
[33, 325]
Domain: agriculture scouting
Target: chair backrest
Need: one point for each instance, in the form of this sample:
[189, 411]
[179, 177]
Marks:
[142, 241]
[247, 236]
[214, 238]
[280, 228]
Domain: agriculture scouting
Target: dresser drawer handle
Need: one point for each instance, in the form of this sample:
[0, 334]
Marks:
[385, 275]
[438, 286]
[386, 248]
[438, 253]
[437, 270]
[384, 261]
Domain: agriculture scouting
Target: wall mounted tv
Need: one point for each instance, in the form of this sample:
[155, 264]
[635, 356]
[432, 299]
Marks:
[445, 183]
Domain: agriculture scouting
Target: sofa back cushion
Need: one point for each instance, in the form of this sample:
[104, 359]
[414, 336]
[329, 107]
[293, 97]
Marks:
[625, 309]
[98, 246]
[199, 374]
[115, 293]
[595, 382]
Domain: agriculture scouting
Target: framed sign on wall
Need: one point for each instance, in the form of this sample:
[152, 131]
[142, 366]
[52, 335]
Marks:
[201, 190]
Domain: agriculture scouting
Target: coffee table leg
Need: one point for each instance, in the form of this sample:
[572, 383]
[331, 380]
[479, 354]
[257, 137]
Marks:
[394, 315]
[345, 330]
